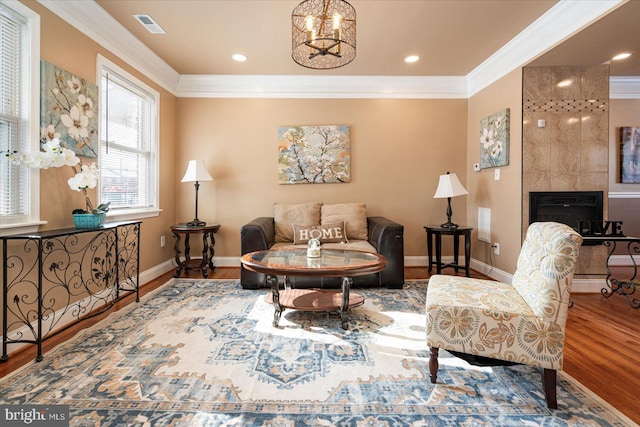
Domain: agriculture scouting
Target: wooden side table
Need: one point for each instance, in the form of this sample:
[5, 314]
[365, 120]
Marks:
[437, 232]
[208, 243]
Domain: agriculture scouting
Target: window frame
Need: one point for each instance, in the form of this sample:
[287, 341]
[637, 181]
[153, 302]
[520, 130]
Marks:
[122, 214]
[30, 221]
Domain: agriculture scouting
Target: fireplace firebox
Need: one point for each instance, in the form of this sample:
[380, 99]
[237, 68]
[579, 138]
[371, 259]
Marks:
[567, 207]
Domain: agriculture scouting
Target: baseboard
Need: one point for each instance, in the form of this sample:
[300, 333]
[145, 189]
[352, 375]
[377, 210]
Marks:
[64, 316]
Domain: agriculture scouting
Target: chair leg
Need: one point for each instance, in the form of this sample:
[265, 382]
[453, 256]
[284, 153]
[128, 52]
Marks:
[433, 364]
[549, 387]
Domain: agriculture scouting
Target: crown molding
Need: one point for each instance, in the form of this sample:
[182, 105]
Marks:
[278, 86]
[560, 22]
[624, 87]
[92, 20]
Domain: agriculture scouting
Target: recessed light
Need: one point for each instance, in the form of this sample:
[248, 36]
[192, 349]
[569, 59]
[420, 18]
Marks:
[411, 59]
[239, 57]
[565, 83]
[620, 56]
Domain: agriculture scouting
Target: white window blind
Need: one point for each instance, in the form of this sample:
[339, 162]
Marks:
[14, 115]
[128, 152]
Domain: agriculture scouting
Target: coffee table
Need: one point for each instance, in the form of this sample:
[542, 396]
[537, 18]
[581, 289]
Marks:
[332, 263]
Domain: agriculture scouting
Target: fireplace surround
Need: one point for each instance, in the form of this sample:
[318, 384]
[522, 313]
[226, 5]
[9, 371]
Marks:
[567, 207]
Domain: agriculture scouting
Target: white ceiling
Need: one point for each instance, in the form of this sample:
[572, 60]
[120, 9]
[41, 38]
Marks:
[463, 44]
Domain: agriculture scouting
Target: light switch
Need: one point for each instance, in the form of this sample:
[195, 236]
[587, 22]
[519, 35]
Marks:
[496, 174]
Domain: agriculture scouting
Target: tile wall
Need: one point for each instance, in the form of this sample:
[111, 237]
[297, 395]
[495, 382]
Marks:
[565, 112]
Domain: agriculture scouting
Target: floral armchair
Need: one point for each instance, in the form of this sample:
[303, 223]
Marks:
[523, 322]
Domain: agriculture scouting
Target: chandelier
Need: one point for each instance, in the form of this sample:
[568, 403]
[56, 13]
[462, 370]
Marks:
[323, 34]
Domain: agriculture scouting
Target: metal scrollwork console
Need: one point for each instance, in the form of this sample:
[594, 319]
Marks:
[55, 278]
[626, 288]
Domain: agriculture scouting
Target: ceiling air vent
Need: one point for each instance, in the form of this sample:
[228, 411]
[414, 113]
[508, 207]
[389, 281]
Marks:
[151, 25]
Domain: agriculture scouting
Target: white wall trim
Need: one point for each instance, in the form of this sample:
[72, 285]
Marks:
[93, 21]
[587, 286]
[294, 86]
[624, 195]
[624, 87]
[65, 317]
[559, 23]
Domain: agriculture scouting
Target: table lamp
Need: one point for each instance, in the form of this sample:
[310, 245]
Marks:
[449, 186]
[196, 172]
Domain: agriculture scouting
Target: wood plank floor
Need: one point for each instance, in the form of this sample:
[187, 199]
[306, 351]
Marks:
[602, 341]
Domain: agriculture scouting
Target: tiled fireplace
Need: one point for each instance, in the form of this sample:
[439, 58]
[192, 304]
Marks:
[565, 112]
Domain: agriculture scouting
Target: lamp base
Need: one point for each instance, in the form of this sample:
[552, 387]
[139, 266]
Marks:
[196, 223]
[449, 225]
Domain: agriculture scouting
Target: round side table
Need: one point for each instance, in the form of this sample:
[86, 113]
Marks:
[208, 242]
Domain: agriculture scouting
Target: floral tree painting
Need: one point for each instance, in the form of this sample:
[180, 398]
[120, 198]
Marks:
[494, 140]
[69, 110]
[314, 154]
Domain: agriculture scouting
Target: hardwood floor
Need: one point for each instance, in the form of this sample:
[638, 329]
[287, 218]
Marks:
[602, 341]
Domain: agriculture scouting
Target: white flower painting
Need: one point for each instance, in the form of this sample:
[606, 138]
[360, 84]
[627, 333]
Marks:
[314, 154]
[69, 110]
[494, 140]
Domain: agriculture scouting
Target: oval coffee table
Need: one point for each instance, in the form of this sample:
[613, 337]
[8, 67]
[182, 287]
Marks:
[332, 263]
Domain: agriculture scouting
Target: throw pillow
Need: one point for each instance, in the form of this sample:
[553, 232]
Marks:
[354, 216]
[326, 233]
[287, 215]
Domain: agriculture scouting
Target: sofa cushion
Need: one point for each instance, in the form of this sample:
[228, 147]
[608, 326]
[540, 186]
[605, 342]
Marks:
[354, 245]
[354, 216]
[326, 233]
[287, 215]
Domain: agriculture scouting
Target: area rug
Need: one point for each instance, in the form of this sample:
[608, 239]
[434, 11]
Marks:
[205, 353]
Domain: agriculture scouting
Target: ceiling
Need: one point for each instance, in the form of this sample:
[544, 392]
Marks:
[617, 32]
[452, 37]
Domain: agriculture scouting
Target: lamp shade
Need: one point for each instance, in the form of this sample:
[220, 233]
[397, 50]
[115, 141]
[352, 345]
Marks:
[449, 186]
[196, 171]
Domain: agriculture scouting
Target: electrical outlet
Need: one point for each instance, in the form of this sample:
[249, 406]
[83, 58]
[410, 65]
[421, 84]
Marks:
[163, 241]
[496, 248]
[476, 167]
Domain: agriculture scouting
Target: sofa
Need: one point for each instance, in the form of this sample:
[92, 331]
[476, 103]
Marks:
[338, 226]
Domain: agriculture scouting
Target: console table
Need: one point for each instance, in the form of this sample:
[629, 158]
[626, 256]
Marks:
[626, 288]
[55, 278]
[436, 231]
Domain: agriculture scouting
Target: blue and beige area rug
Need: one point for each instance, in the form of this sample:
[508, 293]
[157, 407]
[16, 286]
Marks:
[204, 353]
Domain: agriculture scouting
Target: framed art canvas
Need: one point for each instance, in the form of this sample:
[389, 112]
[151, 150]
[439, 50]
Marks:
[68, 110]
[314, 154]
[494, 140]
[630, 155]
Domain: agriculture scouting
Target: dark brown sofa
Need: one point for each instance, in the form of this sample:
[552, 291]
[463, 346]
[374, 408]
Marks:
[385, 236]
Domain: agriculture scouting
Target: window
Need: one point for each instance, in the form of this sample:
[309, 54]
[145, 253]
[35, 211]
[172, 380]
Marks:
[129, 143]
[19, 113]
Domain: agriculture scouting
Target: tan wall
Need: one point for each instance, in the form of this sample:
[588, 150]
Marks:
[503, 196]
[67, 48]
[623, 112]
[398, 150]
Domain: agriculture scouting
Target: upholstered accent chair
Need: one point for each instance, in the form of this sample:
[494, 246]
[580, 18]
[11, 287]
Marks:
[523, 322]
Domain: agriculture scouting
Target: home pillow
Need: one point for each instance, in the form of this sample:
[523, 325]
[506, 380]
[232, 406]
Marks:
[326, 233]
[354, 216]
[287, 215]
